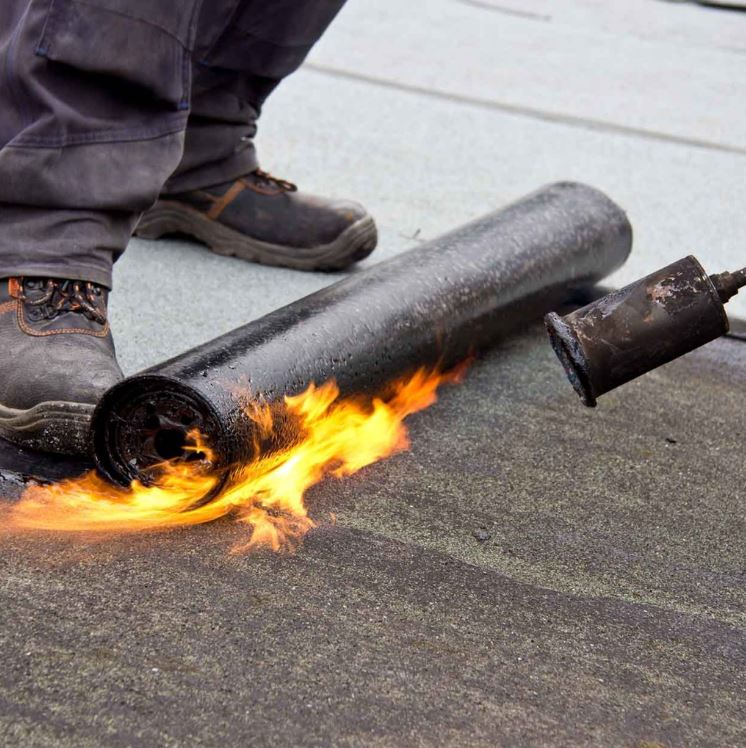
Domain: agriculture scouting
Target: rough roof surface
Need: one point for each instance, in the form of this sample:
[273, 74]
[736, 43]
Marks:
[604, 607]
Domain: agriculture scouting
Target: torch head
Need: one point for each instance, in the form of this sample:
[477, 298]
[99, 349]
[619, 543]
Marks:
[642, 326]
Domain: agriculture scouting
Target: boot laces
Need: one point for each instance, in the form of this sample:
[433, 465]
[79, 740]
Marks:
[62, 296]
[282, 184]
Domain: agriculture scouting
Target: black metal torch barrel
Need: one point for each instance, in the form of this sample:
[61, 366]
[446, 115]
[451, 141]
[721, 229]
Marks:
[433, 305]
[642, 326]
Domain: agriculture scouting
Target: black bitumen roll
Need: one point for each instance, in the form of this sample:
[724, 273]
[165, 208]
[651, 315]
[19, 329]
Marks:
[434, 304]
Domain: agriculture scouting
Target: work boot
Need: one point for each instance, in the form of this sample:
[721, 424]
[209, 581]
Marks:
[57, 360]
[264, 219]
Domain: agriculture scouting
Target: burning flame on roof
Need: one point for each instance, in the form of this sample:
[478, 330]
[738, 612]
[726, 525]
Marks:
[336, 438]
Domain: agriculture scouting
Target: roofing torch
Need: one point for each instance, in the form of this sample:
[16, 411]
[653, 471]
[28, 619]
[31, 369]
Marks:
[642, 326]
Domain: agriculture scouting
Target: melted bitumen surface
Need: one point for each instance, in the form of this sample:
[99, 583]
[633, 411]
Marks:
[18, 466]
[531, 573]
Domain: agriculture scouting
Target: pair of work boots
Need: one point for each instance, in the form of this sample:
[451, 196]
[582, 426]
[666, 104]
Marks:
[58, 355]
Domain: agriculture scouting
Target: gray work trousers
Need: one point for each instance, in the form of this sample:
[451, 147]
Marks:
[106, 103]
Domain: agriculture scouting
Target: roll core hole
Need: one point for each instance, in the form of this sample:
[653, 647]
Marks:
[170, 443]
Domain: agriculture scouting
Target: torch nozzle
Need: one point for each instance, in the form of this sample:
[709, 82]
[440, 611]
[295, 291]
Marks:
[644, 325]
[727, 284]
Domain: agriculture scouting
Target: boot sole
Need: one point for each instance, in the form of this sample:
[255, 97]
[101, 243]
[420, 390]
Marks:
[54, 426]
[170, 217]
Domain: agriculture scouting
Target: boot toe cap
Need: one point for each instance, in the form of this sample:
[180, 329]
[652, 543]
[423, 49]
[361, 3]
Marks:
[336, 218]
[62, 374]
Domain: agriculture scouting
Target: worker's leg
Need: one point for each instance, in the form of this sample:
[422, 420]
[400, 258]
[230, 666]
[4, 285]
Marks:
[93, 106]
[238, 63]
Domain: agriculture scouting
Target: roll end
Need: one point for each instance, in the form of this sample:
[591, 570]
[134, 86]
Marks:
[140, 423]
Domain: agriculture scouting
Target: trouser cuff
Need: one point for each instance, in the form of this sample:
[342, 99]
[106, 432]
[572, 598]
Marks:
[237, 165]
[79, 245]
[74, 272]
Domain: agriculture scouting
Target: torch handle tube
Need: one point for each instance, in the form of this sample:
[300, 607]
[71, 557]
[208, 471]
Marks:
[434, 304]
[729, 284]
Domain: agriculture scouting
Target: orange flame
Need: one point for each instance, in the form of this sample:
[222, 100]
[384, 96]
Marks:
[337, 437]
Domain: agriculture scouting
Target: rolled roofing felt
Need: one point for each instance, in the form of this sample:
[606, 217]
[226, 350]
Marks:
[433, 305]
